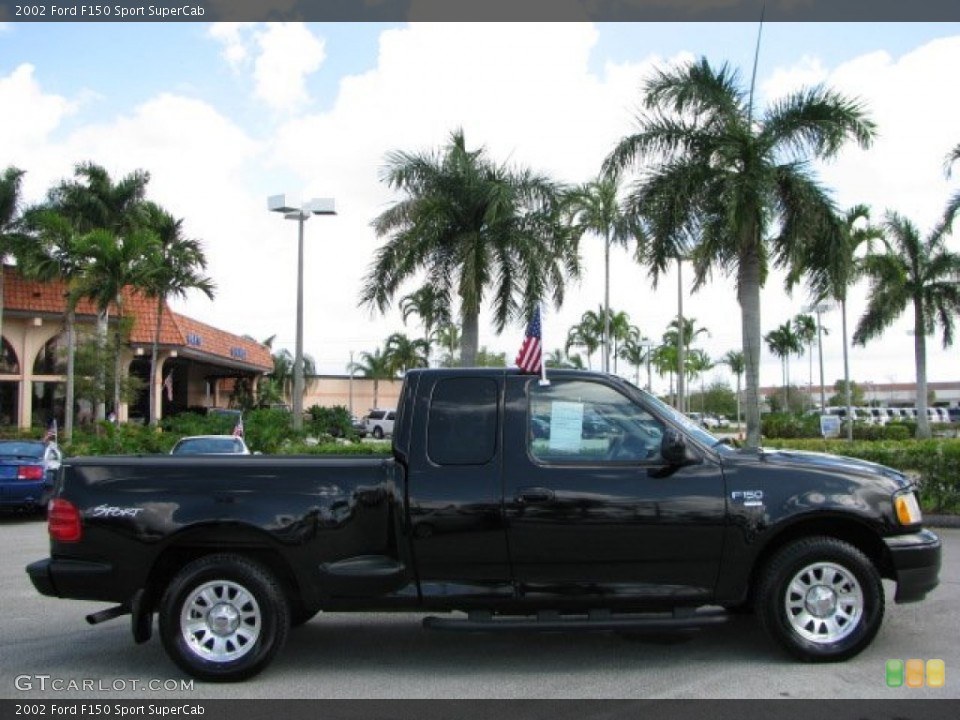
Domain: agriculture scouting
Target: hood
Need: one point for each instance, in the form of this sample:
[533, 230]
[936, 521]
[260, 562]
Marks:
[823, 461]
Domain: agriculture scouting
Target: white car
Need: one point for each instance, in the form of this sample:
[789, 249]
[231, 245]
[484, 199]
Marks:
[210, 445]
[379, 423]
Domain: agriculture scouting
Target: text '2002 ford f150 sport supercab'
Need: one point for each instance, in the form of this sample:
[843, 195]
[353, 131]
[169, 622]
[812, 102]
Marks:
[584, 503]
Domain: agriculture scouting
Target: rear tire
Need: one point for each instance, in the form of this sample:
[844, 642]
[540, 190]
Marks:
[223, 618]
[378, 432]
[821, 599]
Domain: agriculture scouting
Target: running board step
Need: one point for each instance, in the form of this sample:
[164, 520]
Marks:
[547, 621]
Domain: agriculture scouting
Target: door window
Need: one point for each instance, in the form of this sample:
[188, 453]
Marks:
[580, 421]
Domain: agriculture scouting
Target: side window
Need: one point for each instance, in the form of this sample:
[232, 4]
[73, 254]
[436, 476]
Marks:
[586, 422]
[462, 425]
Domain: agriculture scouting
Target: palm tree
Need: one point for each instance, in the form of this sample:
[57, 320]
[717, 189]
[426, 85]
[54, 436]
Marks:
[784, 342]
[722, 180]
[560, 359]
[447, 336]
[805, 328]
[595, 208]
[637, 350]
[283, 361]
[55, 254]
[429, 304]
[921, 273]
[375, 365]
[618, 330]
[698, 365]
[734, 360]
[93, 201]
[476, 228]
[665, 361]
[402, 353]
[588, 334]
[832, 268]
[116, 263]
[172, 271]
[10, 231]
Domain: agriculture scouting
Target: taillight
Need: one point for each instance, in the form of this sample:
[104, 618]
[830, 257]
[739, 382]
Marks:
[63, 521]
[30, 472]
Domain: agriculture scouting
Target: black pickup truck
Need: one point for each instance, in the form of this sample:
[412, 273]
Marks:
[508, 503]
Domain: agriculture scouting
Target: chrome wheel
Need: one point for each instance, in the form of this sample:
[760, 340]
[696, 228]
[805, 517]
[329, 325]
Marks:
[824, 602]
[220, 621]
[821, 598]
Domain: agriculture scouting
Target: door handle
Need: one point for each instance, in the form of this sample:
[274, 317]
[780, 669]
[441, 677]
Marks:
[535, 495]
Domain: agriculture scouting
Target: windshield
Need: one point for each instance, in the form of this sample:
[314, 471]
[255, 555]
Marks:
[204, 446]
[696, 431]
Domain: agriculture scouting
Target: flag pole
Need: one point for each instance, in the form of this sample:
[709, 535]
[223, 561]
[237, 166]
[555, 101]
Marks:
[543, 348]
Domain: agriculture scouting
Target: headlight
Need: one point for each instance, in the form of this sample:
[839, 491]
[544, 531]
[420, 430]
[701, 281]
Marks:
[908, 509]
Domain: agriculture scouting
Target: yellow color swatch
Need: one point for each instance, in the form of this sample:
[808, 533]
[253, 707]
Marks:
[936, 673]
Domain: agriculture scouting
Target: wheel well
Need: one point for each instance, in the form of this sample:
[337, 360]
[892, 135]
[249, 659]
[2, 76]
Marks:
[244, 542]
[849, 531]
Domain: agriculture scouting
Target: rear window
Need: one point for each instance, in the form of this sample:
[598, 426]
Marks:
[462, 429]
[376, 415]
[21, 449]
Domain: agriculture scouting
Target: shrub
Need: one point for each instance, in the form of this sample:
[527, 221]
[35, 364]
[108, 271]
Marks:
[935, 462]
[333, 421]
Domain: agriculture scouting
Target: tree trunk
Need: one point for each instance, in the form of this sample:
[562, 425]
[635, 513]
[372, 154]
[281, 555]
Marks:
[847, 394]
[920, 357]
[71, 372]
[154, 358]
[118, 360]
[101, 380]
[749, 297]
[470, 340]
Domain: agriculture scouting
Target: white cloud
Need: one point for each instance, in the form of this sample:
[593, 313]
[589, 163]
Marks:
[29, 115]
[281, 57]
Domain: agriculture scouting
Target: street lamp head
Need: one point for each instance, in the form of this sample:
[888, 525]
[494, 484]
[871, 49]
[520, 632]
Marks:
[321, 206]
[316, 206]
[278, 203]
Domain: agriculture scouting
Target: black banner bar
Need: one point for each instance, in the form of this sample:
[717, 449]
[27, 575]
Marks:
[482, 10]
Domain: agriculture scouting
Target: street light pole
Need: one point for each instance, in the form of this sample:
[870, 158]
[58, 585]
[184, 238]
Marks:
[317, 206]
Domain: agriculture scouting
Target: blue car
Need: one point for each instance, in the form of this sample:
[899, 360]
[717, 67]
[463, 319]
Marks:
[27, 472]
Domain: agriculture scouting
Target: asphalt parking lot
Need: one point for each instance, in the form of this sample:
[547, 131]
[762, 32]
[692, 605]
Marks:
[391, 656]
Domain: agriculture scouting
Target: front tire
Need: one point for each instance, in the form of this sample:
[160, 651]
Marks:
[223, 618]
[821, 599]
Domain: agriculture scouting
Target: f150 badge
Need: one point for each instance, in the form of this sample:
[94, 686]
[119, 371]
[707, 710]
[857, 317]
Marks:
[749, 498]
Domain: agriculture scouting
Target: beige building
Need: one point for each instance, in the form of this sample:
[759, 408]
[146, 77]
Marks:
[202, 362]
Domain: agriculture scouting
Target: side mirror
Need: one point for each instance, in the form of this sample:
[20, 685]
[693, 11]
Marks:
[673, 448]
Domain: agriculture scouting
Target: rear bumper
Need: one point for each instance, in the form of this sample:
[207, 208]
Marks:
[75, 579]
[25, 494]
[916, 564]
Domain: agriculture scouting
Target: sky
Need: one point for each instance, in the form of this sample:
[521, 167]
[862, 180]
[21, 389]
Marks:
[224, 115]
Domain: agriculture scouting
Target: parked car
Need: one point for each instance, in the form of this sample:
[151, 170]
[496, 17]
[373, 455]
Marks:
[27, 471]
[210, 445]
[704, 420]
[358, 425]
[379, 423]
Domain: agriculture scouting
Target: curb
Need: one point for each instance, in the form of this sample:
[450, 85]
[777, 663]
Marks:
[941, 521]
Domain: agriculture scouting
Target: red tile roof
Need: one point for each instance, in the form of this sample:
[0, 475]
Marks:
[24, 296]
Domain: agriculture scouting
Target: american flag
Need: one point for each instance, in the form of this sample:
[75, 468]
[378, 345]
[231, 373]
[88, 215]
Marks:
[528, 359]
[168, 385]
[238, 428]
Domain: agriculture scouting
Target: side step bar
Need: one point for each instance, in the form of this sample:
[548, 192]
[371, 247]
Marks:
[548, 621]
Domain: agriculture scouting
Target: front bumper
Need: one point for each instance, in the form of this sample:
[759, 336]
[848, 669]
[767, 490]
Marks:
[916, 564]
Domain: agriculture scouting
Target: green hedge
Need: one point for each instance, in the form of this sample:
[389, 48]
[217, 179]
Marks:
[935, 462]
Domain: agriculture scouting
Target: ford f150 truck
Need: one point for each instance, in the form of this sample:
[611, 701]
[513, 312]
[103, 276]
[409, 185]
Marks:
[507, 503]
